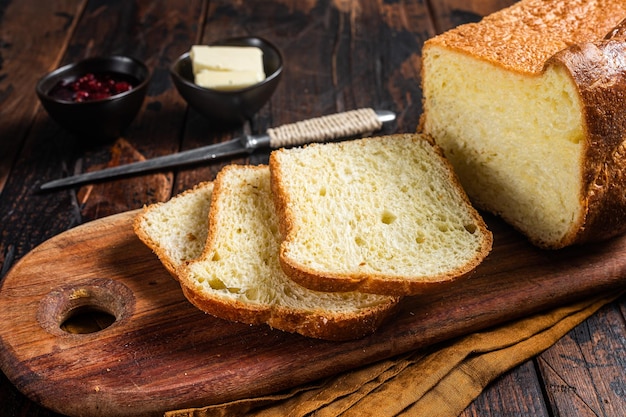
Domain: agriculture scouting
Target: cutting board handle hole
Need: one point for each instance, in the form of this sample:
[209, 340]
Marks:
[85, 308]
[87, 319]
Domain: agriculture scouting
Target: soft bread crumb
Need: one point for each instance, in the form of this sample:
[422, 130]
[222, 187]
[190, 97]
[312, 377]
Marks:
[176, 230]
[523, 164]
[242, 260]
[238, 275]
[382, 214]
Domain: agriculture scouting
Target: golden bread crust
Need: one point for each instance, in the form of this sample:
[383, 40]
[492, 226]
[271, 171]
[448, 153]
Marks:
[523, 37]
[598, 70]
[333, 327]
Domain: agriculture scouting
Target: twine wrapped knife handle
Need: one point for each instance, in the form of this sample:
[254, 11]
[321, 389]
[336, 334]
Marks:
[335, 126]
[320, 129]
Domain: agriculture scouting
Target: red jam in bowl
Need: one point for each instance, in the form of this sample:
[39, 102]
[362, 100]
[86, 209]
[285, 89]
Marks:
[92, 86]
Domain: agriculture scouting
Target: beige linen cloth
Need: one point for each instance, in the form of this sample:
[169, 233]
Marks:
[440, 381]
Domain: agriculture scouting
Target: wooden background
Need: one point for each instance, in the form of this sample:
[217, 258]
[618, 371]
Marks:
[339, 55]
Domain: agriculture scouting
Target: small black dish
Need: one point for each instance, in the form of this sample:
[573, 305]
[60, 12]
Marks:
[101, 119]
[230, 106]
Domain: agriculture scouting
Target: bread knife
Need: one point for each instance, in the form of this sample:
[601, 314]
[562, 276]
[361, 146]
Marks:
[348, 124]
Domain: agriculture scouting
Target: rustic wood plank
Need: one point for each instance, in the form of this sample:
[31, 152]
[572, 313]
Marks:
[14, 403]
[585, 372]
[28, 51]
[383, 63]
[49, 151]
[516, 393]
[319, 80]
[451, 13]
[155, 32]
[151, 31]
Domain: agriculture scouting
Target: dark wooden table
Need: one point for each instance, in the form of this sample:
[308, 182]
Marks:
[339, 56]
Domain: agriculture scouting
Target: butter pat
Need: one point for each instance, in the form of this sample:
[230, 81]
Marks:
[227, 80]
[227, 67]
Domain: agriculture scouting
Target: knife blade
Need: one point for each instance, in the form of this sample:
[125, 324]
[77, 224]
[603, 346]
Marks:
[320, 129]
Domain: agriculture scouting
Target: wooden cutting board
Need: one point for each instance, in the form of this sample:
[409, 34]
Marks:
[161, 353]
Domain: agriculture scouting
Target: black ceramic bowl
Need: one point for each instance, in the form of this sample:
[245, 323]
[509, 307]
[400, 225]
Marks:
[100, 119]
[230, 106]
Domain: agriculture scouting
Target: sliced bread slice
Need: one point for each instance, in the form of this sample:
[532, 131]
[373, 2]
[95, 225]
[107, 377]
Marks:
[382, 215]
[238, 276]
[176, 230]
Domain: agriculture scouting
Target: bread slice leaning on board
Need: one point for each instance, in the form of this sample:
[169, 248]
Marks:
[528, 106]
[238, 277]
[382, 215]
[176, 230]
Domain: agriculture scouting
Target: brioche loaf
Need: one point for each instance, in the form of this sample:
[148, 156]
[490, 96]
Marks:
[528, 106]
[176, 230]
[238, 276]
[382, 215]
